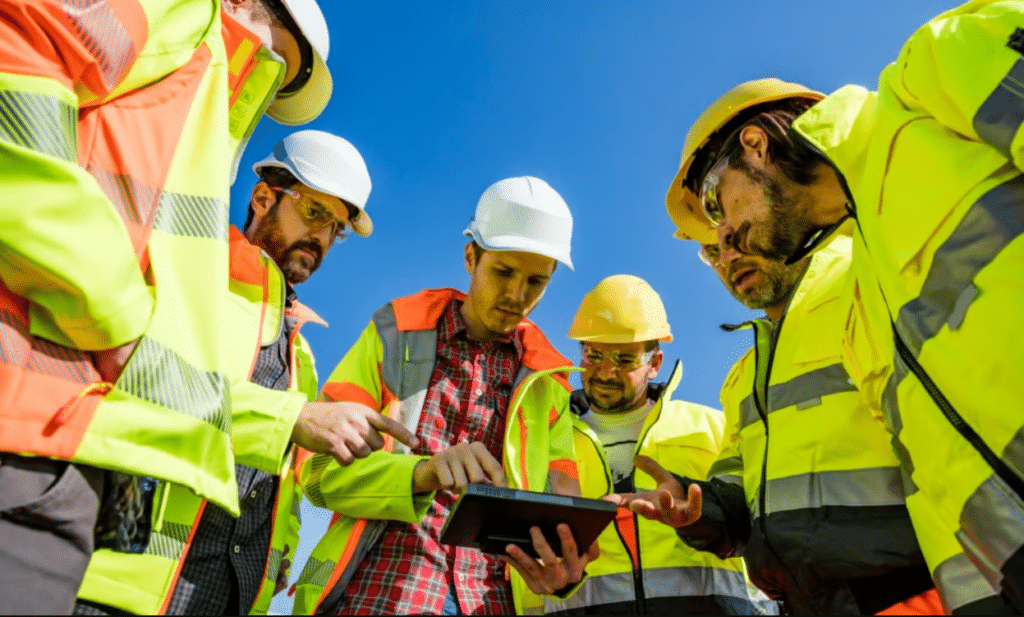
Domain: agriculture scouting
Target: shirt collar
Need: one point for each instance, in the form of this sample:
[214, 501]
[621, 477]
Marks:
[453, 325]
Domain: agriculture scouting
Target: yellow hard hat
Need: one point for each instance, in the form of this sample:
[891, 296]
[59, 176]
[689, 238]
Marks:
[621, 309]
[682, 202]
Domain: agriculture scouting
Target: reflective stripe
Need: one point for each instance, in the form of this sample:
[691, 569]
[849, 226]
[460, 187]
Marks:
[103, 34]
[726, 466]
[316, 572]
[993, 518]
[317, 465]
[274, 563]
[159, 375]
[802, 391]
[192, 216]
[17, 347]
[135, 201]
[992, 223]
[682, 582]
[878, 486]
[959, 582]
[169, 542]
[999, 117]
[39, 122]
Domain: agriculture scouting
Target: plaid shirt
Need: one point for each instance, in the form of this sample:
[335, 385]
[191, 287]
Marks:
[408, 571]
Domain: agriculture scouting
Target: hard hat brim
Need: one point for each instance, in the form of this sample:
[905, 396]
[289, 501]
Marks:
[517, 243]
[309, 102]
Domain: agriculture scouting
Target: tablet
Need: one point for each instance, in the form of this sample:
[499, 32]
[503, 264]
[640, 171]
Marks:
[490, 518]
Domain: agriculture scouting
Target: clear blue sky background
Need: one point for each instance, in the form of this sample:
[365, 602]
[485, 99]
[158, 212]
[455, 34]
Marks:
[444, 98]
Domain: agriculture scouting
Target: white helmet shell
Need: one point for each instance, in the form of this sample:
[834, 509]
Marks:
[329, 164]
[523, 214]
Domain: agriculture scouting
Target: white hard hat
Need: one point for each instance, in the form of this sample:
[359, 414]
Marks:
[523, 214]
[309, 101]
[329, 164]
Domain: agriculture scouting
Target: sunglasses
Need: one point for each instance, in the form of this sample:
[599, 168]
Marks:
[710, 200]
[710, 254]
[626, 361]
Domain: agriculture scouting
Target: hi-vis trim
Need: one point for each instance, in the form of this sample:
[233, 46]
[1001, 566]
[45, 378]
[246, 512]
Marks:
[169, 542]
[192, 216]
[42, 356]
[959, 582]
[871, 487]
[159, 375]
[274, 564]
[799, 392]
[317, 464]
[39, 122]
[103, 34]
[135, 201]
[993, 518]
[998, 119]
[726, 466]
[316, 572]
[991, 224]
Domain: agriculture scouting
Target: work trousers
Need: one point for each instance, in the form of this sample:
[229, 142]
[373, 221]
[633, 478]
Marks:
[48, 511]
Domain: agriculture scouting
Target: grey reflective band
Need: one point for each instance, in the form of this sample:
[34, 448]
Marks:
[871, 487]
[192, 216]
[959, 582]
[157, 374]
[802, 391]
[39, 122]
[732, 465]
[317, 464]
[135, 201]
[316, 572]
[39, 355]
[103, 34]
[169, 542]
[992, 518]
[998, 119]
[274, 564]
[989, 226]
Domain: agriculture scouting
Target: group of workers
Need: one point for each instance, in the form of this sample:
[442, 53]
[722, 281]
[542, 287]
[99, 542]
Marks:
[159, 428]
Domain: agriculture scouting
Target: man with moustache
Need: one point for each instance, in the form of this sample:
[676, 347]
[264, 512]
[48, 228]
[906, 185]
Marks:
[621, 413]
[312, 190]
[930, 167]
[478, 383]
[807, 488]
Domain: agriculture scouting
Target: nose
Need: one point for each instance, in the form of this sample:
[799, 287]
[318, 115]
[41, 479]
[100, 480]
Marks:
[516, 291]
[727, 254]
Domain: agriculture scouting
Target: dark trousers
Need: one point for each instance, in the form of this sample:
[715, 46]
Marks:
[47, 518]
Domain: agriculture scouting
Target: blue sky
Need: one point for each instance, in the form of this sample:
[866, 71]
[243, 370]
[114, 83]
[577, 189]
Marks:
[443, 99]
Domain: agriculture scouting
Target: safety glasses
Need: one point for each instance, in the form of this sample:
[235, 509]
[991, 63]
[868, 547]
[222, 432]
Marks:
[315, 216]
[710, 200]
[626, 361]
[709, 254]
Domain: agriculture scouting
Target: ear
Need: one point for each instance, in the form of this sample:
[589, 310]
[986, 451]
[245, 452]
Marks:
[755, 144]
[470, 258]
[656, 360]
[262, 200]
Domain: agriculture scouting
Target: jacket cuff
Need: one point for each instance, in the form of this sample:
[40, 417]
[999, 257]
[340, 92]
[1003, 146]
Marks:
[262, 422]
[121, 324]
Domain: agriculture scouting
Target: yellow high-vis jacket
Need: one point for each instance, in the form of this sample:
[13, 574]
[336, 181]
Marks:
[932, 162]
[827, 530]
[644, 566]
[389, 369]
[122, 119]
[143, 584]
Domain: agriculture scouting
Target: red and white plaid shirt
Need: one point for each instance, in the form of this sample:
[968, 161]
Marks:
[408, 571]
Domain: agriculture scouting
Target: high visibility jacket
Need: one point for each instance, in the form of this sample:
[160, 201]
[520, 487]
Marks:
[829, 532]
[932, 162]
[263, 419]
[115, 162]
[644, 567]
[389, 369]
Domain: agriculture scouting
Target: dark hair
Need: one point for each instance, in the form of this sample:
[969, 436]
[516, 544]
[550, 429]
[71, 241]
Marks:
[478, 252]
[793, 157]
[273, 176]
[652, 345]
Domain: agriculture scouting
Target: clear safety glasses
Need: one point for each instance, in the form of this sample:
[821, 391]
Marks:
[709, 197]
[626, 361]
[314, 215]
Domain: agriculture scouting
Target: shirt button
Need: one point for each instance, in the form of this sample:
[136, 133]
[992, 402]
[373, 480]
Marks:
[479, 391]
[252, 495]
[237, 549]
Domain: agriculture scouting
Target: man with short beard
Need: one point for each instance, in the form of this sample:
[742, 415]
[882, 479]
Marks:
[620, 413]
[807, 489]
